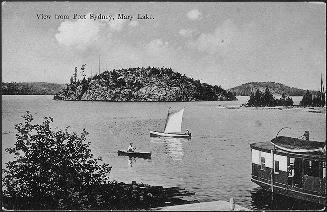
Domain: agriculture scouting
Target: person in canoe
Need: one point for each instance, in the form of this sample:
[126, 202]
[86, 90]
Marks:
[188, 132]
[131, 148]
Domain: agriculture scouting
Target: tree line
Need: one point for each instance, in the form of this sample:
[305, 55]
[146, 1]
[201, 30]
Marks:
[30, 88]
[313, 100]
[266, 98]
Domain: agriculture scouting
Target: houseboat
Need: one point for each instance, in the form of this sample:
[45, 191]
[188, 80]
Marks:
[292, 167]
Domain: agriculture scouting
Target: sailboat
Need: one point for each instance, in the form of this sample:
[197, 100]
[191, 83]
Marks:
[173, 126]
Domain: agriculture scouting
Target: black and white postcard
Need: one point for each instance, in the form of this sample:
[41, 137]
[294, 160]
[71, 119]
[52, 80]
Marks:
[163, 105]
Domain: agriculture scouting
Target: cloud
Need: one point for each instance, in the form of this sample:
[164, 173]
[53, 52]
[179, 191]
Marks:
[156, 46]
[217, 40]
[186, 32]
[227, 38]
[194, 14]
[162, 53]
[87, 33]
[133, 23]
[117, 24]
[79, 34]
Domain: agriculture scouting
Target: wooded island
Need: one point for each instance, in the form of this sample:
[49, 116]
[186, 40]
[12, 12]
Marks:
[141, 84]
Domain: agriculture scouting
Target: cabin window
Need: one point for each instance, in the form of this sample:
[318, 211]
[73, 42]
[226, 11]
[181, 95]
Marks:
[276, 171]
[255, 156]
[292, 160]
[311, 168]
[263, 161]
[291, 168]
[323, 169]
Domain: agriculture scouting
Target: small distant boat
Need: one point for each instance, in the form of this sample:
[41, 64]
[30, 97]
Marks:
[297, 145]
[233, 107]
[173, 126]
[134, 154]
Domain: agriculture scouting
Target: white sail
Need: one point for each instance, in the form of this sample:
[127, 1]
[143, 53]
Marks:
[174, 122]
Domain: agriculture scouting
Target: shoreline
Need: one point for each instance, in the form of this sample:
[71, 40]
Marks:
[122, 196]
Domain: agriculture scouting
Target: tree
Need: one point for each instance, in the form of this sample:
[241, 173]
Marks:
[82, 69]
[289, 102]
[268, 98]
[51, 169]
[71, 80]
[306, 99]
[257, 98]
[84, 81]
[75, 75]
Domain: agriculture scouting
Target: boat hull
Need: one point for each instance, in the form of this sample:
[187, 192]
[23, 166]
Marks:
[134, 154]
[172, 135]
[292, 192]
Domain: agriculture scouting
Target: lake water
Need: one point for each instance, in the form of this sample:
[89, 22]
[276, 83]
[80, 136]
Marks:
[215, 164]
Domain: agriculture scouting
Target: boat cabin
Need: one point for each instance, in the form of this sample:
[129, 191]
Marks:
[300, 175]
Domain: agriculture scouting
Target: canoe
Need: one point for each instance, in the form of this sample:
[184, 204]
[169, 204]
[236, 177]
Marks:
[172, 135]
[297, 145]
[134, 154]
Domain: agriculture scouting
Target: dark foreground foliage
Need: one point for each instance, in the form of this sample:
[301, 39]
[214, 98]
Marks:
[110, 196]
[259, 99]
[55, 169]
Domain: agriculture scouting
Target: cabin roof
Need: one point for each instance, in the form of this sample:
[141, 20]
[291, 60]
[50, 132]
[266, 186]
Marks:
[268, 146]
[296, 143]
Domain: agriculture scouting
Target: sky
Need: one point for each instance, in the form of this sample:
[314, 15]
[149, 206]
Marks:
[220, 43]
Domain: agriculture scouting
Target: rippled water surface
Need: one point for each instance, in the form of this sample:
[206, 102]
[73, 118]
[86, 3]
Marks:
[215, 163]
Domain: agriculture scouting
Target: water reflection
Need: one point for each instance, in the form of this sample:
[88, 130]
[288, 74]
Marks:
[262, 200]
[173, 146]
[131, 160]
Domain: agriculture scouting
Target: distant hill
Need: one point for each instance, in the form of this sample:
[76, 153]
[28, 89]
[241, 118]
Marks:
[142, 84]
[30, 88]
[275, 88]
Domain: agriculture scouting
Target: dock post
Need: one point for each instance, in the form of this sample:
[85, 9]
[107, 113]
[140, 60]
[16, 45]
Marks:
[272, 176]
[231, 204]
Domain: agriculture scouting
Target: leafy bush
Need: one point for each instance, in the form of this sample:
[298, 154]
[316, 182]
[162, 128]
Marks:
[51, 169]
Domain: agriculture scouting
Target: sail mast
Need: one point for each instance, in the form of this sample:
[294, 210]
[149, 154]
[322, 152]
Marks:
[99, 64]
[166, 119]
[321, 83]
[182, 116]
